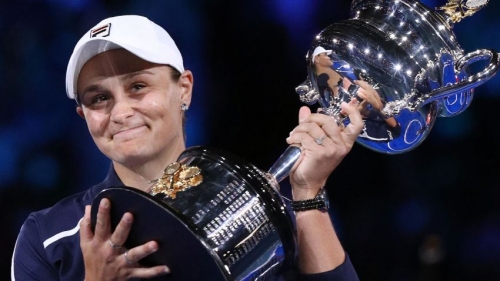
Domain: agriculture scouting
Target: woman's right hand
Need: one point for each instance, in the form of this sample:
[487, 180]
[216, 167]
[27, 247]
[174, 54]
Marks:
[103, 252]
[369, 94]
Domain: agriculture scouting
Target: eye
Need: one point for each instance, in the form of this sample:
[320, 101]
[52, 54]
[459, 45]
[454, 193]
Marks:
[138, 86]
[99, 99]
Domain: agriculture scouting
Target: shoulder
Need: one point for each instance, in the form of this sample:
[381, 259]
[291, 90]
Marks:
[63, 218]
[36, 253]
[48, 245]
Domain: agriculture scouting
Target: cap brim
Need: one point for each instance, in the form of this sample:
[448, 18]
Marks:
[99, 45]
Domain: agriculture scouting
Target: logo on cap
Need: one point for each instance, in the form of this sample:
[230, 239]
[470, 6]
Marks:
[102, 31]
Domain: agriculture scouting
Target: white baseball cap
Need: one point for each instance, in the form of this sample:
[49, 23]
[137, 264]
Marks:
[136, 34]
[318, 51]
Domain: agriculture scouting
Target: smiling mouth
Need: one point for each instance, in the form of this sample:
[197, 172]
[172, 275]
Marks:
[129, 134]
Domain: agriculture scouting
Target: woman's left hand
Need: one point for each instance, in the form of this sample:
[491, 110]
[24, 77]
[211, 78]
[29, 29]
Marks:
[323, 144]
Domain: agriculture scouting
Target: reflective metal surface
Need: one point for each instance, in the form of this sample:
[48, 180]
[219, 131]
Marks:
[232, 225]
[238, 215]
[408, 57]
[283, 166]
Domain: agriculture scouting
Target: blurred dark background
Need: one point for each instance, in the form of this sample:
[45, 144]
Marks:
[429, 214]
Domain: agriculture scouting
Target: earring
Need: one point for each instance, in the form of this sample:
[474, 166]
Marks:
[184, 107]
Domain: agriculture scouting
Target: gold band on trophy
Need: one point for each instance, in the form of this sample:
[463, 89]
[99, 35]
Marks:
[177, 177]
[459, 9]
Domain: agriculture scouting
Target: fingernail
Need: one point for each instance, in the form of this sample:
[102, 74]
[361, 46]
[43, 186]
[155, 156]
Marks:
[104, 203]
[127, 218]
[166, 270]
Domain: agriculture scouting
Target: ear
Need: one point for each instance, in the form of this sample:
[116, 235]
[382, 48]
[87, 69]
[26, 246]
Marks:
[79, 111]
[186, 83]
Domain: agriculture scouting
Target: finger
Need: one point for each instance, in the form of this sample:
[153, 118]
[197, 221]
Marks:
[135, 254]
[103, 226]
[334, 132]
[320, 120]
[313, 133]
[306, 140]
[312, 130]
[314, 124]
[356, 122]
[304, 112]
[149, 272]
[86, 233]
[353, 102]
[363, 84]
[122, 230]
[362, 93]
[303, 140]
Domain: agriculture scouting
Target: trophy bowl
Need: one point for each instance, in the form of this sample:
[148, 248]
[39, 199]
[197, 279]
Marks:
[214, 216]
[408, 55]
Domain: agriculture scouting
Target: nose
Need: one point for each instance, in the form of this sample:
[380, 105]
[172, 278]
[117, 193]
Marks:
[122, 109]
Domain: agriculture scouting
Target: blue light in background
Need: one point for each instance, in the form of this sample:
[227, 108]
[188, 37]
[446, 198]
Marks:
[42, 171]
[72, 4]
[454, 128]
[412, 217]
[292, 12]
[432, 3]
[296, 16]
[481, 244]
[8, 161]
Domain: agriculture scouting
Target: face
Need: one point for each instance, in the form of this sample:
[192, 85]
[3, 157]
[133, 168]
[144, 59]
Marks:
[324, 60]
[133, 107]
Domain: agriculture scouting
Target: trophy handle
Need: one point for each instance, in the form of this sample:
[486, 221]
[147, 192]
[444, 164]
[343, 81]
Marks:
[283, 166]
[473, 81]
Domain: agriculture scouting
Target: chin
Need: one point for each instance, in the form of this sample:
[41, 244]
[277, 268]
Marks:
[131, 159]
[131, 156]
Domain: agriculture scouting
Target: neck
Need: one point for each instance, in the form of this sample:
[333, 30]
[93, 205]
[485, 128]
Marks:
[142, 174]
[324, 69]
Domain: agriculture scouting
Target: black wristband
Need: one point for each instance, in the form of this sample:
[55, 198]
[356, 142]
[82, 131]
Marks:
[320, 202]
[305, 205]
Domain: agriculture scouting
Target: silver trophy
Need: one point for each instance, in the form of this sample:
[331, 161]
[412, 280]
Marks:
[212, 213]
[409, 58]
[225, 219]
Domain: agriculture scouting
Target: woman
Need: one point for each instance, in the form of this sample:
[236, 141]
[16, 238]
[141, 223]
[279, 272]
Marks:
[131, 88]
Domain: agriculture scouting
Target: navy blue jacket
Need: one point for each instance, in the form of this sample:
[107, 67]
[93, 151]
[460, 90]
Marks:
[48, 245]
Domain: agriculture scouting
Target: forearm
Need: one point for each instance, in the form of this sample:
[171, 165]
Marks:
[323, 146]
[391, 121]
[319, 247]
